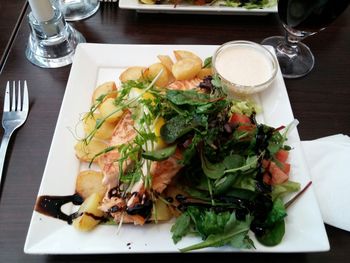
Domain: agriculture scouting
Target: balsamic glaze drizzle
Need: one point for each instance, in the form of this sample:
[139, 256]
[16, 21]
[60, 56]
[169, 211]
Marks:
[51, 206]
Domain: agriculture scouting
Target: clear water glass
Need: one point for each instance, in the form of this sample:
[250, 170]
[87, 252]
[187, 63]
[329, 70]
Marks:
[52, 43]
[74, 10]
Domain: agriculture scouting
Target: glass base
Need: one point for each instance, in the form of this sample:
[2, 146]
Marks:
[38, 55]
[294, 62]
[74, 10]
[52, 43]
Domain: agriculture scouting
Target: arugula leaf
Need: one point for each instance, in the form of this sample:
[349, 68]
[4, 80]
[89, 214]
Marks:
[159, 155]
[208, 62]
[234, 231]
[187, 97]
[231, 164]
[274, 225]
[209, 222]
[181, 227]
[273, 235]
[212, 170]
[180, 125]
[280, 190]
[277, 213]
[234, 161]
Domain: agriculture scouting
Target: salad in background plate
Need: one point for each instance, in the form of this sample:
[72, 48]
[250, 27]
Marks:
[249, 4]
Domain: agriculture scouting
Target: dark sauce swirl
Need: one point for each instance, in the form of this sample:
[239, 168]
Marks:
[51, 206]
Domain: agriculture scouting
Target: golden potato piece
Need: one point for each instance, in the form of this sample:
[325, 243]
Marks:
[161, 211]
[85, 153]
[205, 72]
[104, 132]
[148, 2]
[166, 61]
[110, 111]
[152, 71]
[89, 182]
[89, 213]
[181, 54]
[132, 73]
[109, 89]
[186, 69]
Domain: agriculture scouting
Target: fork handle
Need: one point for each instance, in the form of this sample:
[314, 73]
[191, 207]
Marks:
[3, 148]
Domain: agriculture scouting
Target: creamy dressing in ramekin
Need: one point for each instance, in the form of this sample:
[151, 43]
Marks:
[244, 65]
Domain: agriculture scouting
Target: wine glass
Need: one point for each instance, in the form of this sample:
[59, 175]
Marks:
[300, 19]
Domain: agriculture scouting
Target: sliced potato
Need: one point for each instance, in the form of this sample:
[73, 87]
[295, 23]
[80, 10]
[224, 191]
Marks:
[89, 182]
[109, 89]
[152, 71]
[110, 111]
[148, 2]
[104, 132]
[85, 153]
[89, 213]
[166, 61]
[161, 211]
[186, 69]
[132, 73]
[205, 72]
[181, 54]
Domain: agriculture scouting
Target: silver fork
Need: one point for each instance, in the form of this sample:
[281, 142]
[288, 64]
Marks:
[14, 115]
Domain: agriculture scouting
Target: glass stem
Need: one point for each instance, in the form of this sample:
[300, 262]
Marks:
[290, 45]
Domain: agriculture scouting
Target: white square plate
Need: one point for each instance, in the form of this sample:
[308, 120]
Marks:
[97, 63]
[192, 9]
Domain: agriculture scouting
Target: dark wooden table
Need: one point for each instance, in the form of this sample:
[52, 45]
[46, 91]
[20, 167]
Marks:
[11, 15]
[321, 102]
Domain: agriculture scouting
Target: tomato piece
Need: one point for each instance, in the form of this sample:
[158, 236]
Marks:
[238, 118]
[267, 178]
[277, 175]
[282, 155]
[265, 163]
[247, 128]
[285, 167]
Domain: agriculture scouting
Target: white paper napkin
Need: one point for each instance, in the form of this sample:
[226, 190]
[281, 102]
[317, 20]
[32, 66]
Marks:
[328, 159]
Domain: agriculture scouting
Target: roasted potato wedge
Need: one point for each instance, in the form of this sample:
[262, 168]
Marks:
[104, 132]
[181, 54]
[85, 152]
[109, 89]
[186, 69]
[166, 61]
[161, 211]
[132, 73]
[148, 2]
[152, 71]
[89, 213]
[110, 111]
[89, 182]
[205, 72]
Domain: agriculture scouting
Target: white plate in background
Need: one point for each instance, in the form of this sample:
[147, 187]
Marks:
[192, 9]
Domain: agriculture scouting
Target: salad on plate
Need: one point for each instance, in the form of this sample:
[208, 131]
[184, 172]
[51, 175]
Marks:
[169, 144]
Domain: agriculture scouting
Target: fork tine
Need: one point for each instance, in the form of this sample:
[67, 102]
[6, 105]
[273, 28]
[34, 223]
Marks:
[13, 106]
[25, 106]
[7, 97]
[19, 99]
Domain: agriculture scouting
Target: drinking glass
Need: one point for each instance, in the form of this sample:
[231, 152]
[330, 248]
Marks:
[300, 19]
[75, 10]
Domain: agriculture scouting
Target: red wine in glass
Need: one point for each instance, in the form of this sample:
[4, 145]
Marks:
[302, 18]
